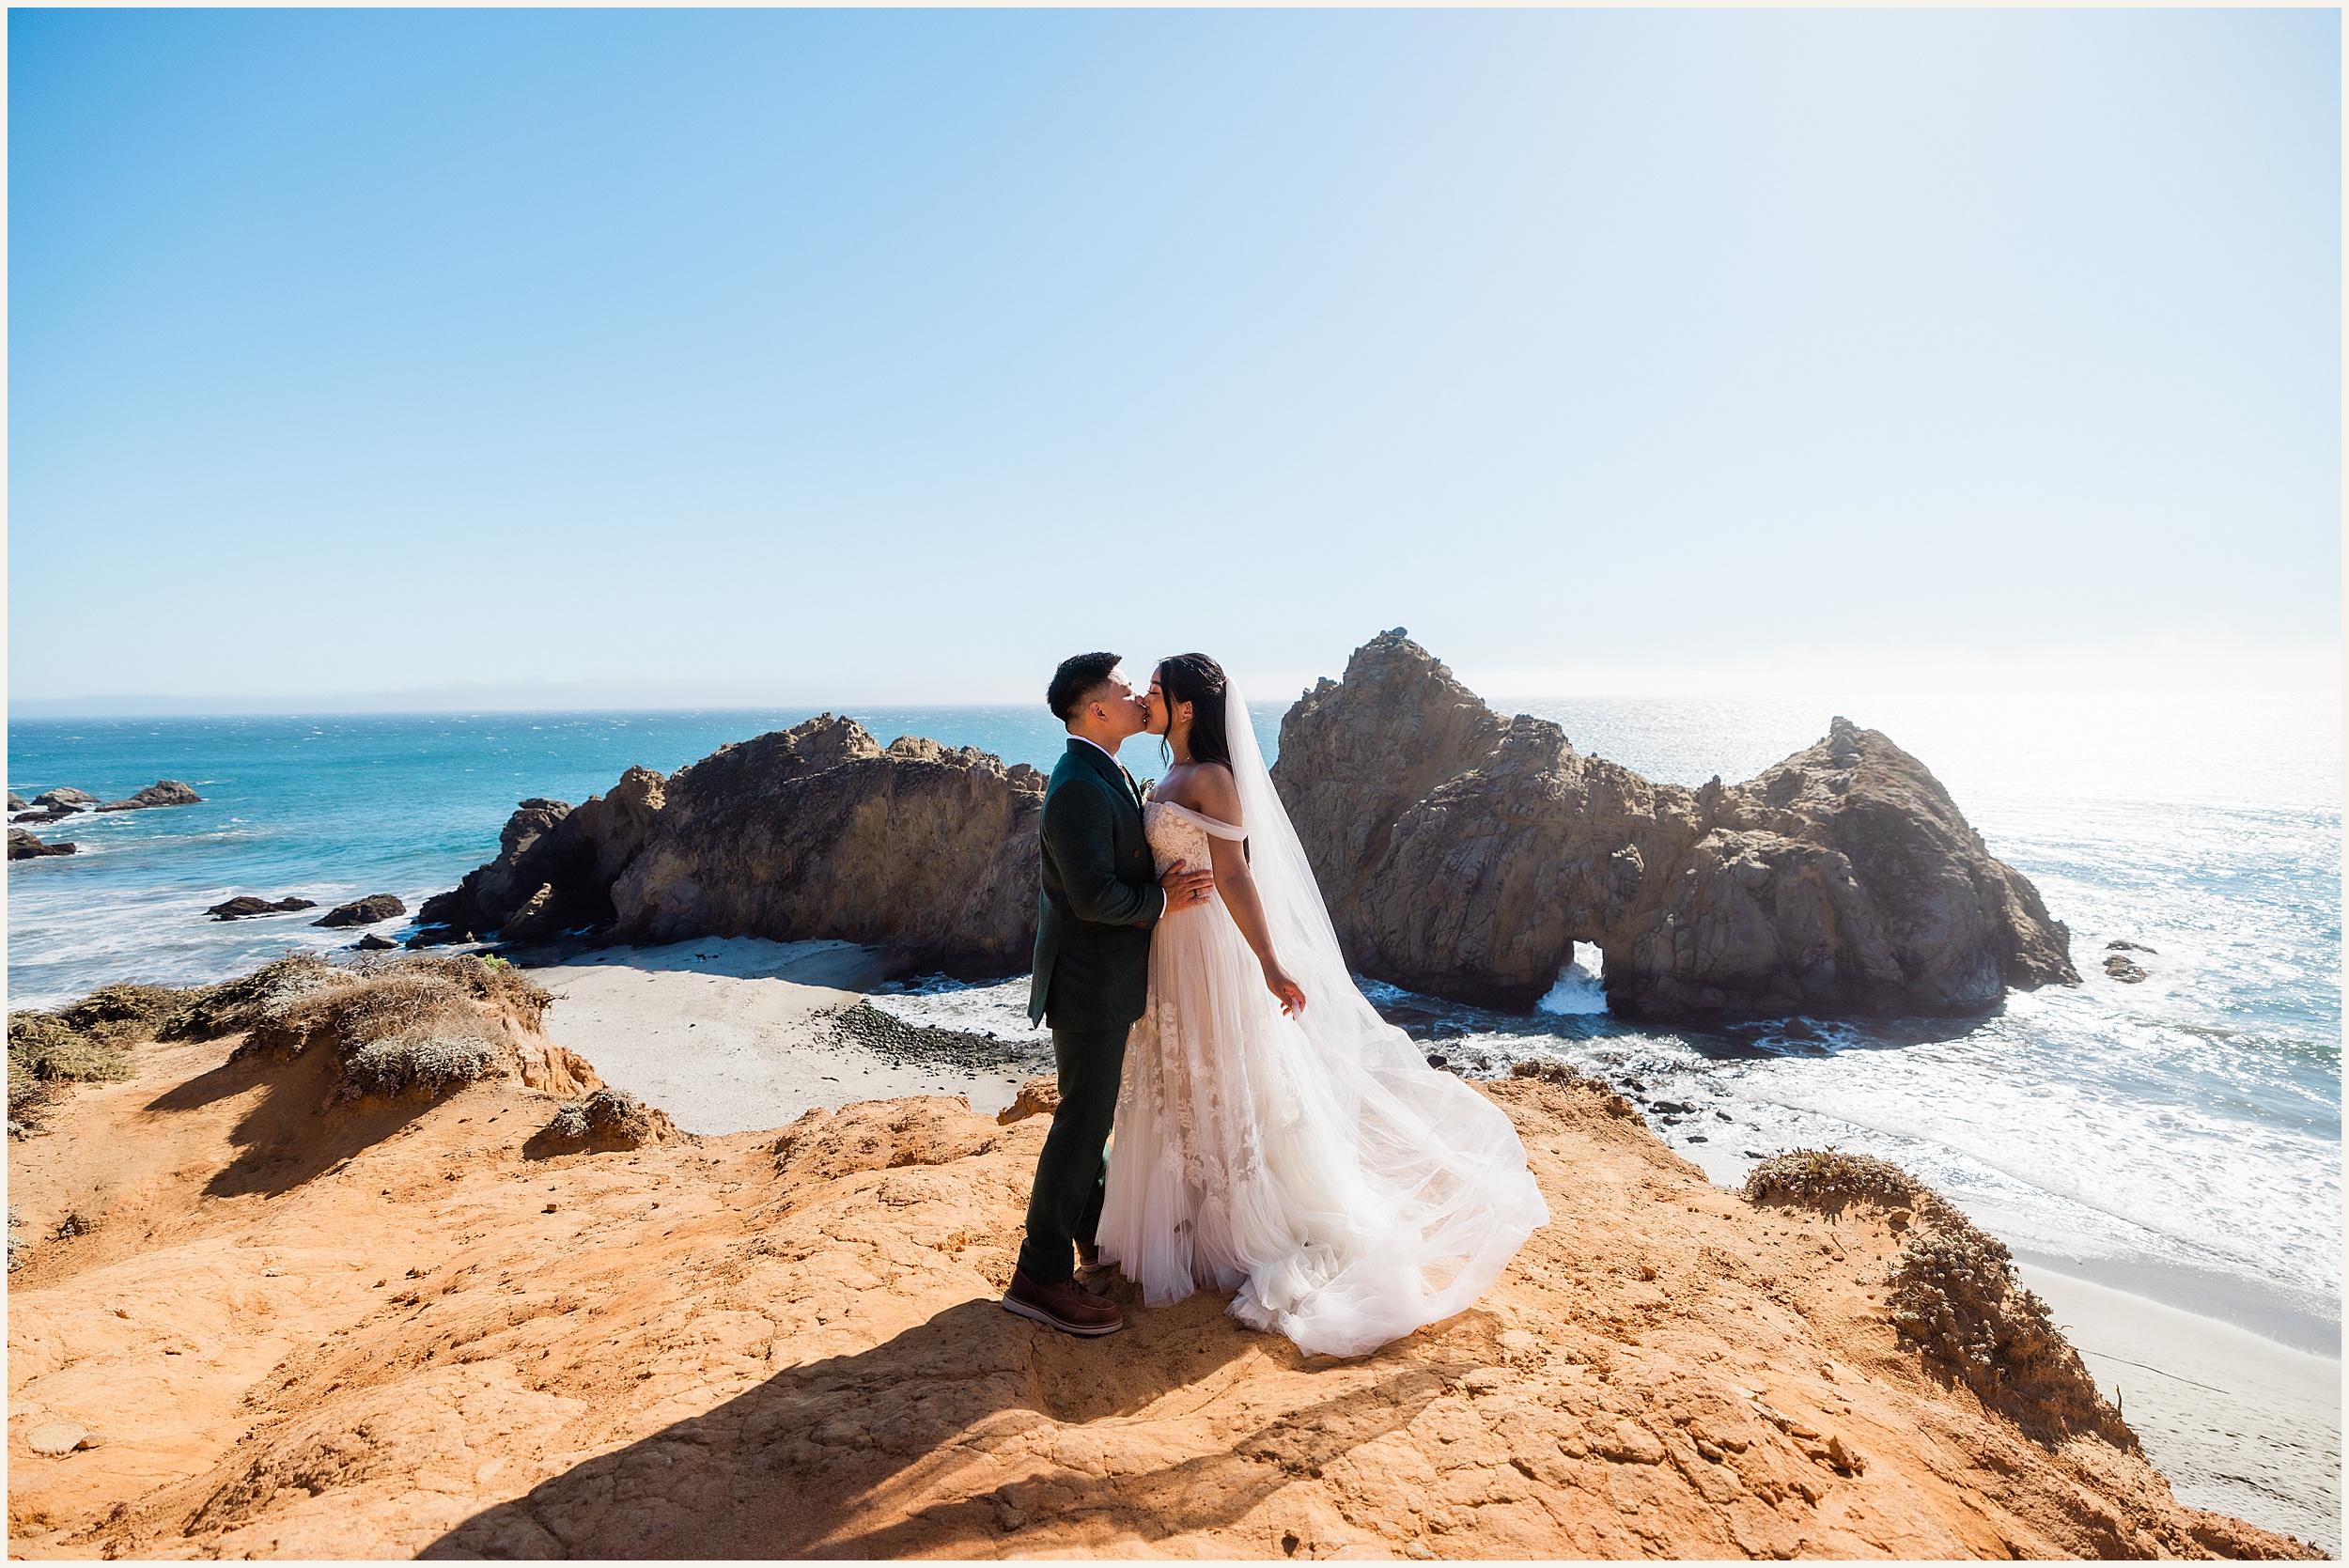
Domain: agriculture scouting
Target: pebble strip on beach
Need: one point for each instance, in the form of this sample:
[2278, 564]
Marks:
[861, 1025]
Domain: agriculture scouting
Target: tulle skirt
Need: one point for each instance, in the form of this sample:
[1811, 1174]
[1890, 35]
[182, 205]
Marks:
[1346, 1192]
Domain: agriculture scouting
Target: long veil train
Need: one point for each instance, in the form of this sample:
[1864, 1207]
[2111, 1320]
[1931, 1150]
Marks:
[1316, 1165]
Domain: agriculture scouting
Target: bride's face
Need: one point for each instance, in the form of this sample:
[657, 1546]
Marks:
[1154, 702]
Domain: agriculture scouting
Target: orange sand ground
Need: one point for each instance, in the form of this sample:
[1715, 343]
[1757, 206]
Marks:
[397, 1331]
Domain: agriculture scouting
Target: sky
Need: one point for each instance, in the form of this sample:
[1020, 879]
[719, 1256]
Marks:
[550, 358]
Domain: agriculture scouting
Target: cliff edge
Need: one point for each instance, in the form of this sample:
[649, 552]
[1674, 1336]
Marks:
[423, 1327]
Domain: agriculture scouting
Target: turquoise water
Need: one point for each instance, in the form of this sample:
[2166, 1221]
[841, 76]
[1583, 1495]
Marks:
[2181, 1137]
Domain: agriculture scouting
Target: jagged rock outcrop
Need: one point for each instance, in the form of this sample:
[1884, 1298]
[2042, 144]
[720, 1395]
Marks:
[163, 792]
[17, 803]
[1462, 854]
[65, 798]
[23, 845]
[553, 870]
[814, 831]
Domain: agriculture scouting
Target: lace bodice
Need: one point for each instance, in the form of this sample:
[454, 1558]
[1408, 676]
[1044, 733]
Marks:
[1178, 833]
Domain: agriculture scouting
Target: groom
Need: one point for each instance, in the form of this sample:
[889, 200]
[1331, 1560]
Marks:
[1100, 898]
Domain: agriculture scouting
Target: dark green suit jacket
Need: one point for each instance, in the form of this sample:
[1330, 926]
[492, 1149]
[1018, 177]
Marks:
[1100, 896]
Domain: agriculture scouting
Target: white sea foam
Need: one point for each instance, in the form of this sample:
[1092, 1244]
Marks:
[1578, 992]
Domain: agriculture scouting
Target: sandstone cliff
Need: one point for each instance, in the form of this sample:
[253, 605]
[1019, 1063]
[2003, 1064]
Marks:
[289, 1330]
[1463, 853]
[816, 831]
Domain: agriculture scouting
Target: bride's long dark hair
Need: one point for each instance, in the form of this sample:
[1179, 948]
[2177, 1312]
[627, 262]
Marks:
[1196, 680]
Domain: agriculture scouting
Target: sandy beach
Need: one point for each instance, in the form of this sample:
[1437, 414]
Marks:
[732, 1035]
[2236, 1422]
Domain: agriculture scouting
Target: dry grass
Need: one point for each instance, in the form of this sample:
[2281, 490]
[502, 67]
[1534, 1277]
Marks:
[30, 1101]
[1954, 1295]
[43, 1046]
[211, 1011]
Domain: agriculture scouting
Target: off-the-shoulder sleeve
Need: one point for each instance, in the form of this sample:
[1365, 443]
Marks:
[1215, 829]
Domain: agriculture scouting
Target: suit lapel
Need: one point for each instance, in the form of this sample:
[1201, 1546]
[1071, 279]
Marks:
[1108, 767]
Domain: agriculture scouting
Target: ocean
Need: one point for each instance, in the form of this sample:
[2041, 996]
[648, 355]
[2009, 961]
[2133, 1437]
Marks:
[2178, 1138]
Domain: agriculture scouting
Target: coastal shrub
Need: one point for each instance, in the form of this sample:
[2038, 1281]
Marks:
[251, 1000]
[1953, 1295]
[1831, 1179]
[610, 1115]
[29, 1100]
[43, 1046]
[491, 980]
[404, 1063]
[16, 1243]
[126, 1014]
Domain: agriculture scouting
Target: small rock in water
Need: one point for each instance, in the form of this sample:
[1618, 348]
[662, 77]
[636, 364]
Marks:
[2120, 968]
[55, 1437]
[371, 942]
[163, 792]
[1435, 1061]
[246, 906]
[374, 907]
[2117, 946]
[70, 799]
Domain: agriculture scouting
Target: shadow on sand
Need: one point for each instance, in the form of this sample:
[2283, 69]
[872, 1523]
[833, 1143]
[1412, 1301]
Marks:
[957, 1435]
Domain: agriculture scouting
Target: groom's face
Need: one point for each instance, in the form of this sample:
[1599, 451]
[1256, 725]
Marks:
[1117, 704]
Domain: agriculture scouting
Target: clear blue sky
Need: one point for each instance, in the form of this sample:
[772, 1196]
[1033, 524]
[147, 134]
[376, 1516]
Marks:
[841, 356]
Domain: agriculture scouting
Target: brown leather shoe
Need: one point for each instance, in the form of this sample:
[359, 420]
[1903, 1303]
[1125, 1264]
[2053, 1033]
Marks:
[1063, 1305]
[1088, 1255]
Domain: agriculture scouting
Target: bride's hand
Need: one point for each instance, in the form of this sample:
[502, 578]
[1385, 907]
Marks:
[1291, 995]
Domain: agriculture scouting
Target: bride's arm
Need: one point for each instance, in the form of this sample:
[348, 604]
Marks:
[1219, 798]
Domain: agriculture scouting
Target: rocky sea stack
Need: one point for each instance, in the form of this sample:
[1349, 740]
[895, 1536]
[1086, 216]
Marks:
[814, 831]
[1463, 854]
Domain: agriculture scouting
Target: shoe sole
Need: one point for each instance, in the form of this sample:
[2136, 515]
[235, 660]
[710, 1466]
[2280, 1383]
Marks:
[1040, 1316]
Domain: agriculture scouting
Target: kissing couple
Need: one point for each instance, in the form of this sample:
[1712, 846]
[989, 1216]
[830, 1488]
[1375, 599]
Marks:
[1273, 1136]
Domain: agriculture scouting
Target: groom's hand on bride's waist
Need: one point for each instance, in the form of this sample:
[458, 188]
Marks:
[1186, 888]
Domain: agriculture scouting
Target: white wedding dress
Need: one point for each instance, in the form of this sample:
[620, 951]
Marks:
[1316, 1166]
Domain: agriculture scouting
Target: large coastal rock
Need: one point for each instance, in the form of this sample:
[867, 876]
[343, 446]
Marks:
[65, 798]
[163, 792]
[819, 831]
[814, 831]
[1463, 854]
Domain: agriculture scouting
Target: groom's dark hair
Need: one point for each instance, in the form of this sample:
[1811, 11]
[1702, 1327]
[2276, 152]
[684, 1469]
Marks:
[1074, 679]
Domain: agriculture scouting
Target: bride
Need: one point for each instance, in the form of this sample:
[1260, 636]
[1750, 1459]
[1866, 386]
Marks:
[1274, 1136]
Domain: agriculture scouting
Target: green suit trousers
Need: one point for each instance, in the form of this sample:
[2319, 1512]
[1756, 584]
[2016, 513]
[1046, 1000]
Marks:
[1064, 1205]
